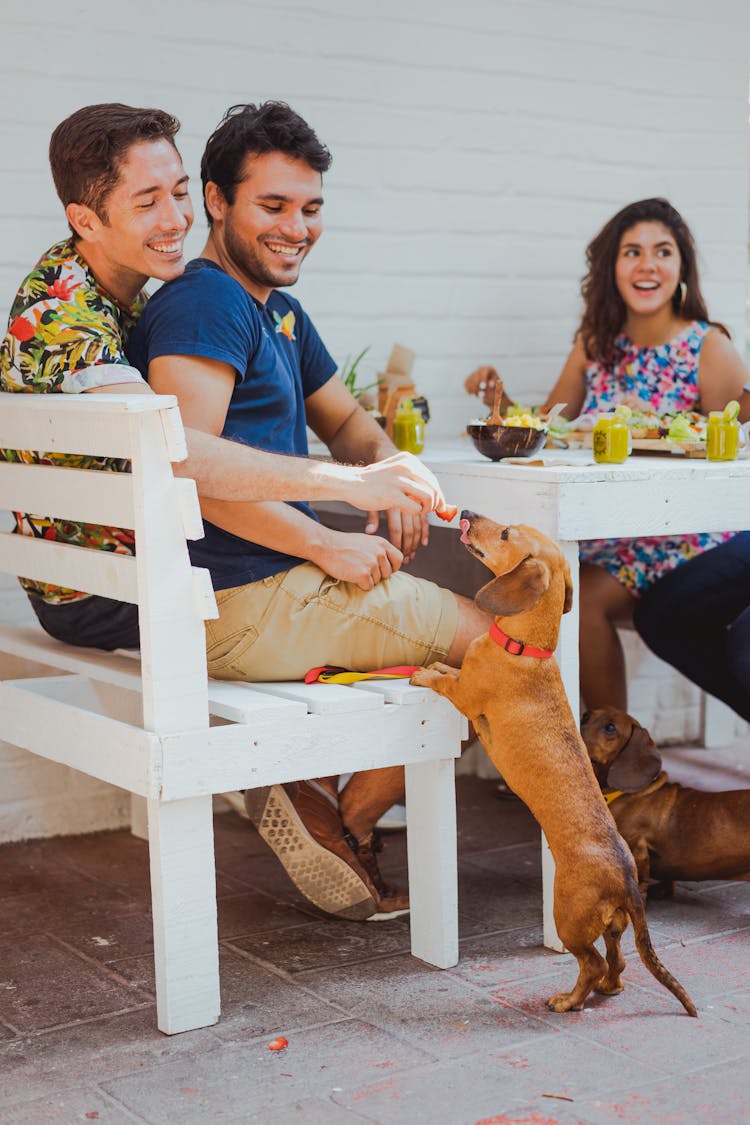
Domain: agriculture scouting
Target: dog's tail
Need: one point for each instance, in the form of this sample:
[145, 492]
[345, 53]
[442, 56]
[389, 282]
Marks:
[647, 952]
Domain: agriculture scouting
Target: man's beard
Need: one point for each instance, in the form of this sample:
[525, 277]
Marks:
[251, 264]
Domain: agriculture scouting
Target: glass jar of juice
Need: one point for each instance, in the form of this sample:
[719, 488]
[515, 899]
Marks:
[723, 433]
[612, 437]
[408, 427]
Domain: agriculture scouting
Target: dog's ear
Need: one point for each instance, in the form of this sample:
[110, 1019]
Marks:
[568, 602]
[637, 765]
[518, 590]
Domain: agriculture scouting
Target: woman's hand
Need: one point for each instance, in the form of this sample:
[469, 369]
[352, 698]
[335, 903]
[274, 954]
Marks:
[482, 382]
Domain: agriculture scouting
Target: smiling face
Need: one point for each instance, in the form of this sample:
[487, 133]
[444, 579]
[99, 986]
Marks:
[146, 217]
[275, 220]
[647, 269]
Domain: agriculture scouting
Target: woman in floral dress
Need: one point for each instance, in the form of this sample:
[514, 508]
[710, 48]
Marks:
[645, 339]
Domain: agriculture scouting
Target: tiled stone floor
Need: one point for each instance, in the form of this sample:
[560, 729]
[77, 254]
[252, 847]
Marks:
[374, 1036]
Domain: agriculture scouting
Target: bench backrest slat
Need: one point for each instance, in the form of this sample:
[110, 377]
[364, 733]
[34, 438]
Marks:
[89, 424]
[70, 494]
[76, 568]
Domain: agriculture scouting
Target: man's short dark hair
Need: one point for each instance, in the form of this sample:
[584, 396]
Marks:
[254, 130]
[88, 148]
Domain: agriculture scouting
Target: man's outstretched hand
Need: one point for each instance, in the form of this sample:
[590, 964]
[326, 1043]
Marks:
[400, 481]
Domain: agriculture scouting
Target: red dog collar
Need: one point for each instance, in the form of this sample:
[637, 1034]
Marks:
[514, 647]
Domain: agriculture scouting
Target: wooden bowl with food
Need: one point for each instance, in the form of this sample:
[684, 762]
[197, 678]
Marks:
[497, 440]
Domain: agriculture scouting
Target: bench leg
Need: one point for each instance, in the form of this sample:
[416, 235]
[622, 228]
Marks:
[433, 859]
[183, 893]
[139, 816]
[551, 938]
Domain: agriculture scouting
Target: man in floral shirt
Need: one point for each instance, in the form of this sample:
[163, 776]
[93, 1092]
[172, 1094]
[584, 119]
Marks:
[121, 180]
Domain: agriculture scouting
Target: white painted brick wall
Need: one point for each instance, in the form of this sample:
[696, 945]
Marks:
[477, 148]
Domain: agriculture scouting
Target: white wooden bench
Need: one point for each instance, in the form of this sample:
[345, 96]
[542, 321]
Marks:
[156, 727]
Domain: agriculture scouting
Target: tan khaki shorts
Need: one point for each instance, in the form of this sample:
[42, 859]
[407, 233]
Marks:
[280, 627]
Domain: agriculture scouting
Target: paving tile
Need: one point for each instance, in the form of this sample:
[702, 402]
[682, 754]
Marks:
[719, 1093]
[495, 900]
[707, 968]
[246, 1078]
[86, 1054]
[521, 862]
[251, 912]
[425, 1007]
[104, 934]
[119, 859]
[319, 1111]
[328, 944]
[640, 1025]
[84, 1105]
[29, 868]
[489, 1088]
[498, 957]
[254, 999]
[69, 897]
[235, 835]
[50, 985]
[484, 820]
[700, 910]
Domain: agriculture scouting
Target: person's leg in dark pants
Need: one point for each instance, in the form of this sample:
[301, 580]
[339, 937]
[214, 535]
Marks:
[697, 618]
[91, 622]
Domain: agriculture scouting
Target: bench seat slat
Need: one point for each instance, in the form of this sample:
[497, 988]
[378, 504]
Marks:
[396, 691]
[322, 699]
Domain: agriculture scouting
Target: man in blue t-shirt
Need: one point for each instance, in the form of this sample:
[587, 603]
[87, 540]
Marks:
[246, 363]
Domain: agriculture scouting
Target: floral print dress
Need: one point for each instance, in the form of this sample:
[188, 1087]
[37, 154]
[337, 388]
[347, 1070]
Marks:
[66, 334]
[666, 378]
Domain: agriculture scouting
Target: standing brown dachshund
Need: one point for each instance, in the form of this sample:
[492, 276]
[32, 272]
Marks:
[512, 692]
[673, 832]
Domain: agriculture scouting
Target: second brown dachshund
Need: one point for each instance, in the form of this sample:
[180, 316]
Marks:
[674, 832]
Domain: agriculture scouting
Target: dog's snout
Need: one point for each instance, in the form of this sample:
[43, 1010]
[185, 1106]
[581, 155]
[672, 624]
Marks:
[467, 515]
[504, 533]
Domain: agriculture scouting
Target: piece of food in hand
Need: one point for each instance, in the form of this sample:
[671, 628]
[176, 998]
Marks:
[448, 513]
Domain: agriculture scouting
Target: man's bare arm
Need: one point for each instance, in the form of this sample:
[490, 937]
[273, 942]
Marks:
[228, 470]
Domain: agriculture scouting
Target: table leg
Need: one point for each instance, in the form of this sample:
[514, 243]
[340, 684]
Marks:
[567, 659]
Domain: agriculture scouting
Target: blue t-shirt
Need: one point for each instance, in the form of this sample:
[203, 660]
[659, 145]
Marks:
[279, 360]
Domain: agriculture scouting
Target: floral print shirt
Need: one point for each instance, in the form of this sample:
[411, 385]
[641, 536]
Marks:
[65, 335]
[664, 377]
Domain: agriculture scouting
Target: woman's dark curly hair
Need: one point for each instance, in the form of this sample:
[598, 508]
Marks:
[604, 309]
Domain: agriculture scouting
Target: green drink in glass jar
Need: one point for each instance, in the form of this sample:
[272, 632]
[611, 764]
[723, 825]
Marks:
[612, 437]
[723, 433]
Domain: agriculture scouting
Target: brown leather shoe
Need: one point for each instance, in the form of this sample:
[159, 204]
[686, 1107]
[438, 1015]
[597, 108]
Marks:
[392, 901]
[301, 824]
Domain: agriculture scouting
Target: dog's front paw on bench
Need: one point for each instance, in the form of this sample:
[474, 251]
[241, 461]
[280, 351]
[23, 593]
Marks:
[430, 676]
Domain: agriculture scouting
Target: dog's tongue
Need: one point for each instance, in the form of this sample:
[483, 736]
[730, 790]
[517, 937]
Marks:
[464, 525]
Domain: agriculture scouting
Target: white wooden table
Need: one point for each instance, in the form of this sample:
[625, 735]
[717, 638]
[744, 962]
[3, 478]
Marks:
[571, 498]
